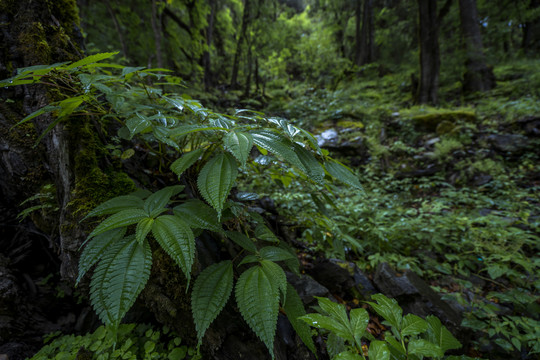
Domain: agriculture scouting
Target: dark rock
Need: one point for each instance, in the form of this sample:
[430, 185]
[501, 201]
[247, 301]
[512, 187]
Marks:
[15, 351]
[531, 125]
[331, 275]
[390, 284]
[415, 296]
[509, 143]
[431, 169]
[363, 284]
[482, 179]
[533, 128]
[306, 287]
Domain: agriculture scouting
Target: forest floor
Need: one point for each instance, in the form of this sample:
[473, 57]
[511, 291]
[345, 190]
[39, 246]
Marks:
[451, 194]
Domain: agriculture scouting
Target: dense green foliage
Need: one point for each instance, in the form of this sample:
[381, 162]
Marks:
[450, 192]
[135, 342]
[411, 336]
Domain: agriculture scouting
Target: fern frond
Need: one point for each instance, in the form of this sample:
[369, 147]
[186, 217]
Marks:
[210, 294]
[198, 215]
[155, 203]
[120, 219]
[258, 302]
[177, 239]
[239, 144]
[95, 249]
[216, 180]
[294, 308]
[115, 205]
[185, 161]
[119, 278]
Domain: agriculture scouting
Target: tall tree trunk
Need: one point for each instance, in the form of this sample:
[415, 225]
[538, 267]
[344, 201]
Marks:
[530, 42]
[357, 32]
[367, 47]
[429, 52]
[158, 32]
[209, 38]
[239, 43]
[249, 70]
[118, 29]
[478, 76]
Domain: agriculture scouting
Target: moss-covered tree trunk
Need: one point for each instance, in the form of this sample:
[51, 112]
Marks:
[38, 32]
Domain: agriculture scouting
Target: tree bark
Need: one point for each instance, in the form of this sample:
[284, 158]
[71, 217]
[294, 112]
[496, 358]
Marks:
[239, 43]
[367, 48]
[478, 76]
[429, 52]
[357, 32]
[158, 32]
[531, 31]
[208, 81]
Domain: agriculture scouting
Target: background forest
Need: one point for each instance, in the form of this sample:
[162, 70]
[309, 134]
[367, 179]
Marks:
[434, 106]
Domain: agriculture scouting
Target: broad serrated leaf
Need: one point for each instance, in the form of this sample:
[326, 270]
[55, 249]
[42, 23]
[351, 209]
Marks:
[91, 59]
[242, 240]
[277, 275]
[189, 129]
[294, 308]
[239, 144]
[96, 248]
[143, 228]
[177, 239]
[396, 347]
[359, 322]
[378, 350]
[348, 355]
[258, 302]
[216, 180]
[314, 169]
[262, 232]
[162, 134]
[210, 293]
[439, 334]
[198, 215]
[156, 203]
[313, 143]
[334, 344]
[119, 278]
[120, 219]
[278, 145]
[342, 173]
[248, 260]
[326, 322]
[423, 347]
[413, 325]
[337, 312]
[388, 309]
[37, 113]
[185, 161]
[275, 254]
[137, 124]
[116, 204]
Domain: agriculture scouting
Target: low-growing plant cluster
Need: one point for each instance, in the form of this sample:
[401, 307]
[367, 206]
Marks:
[129, 342]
